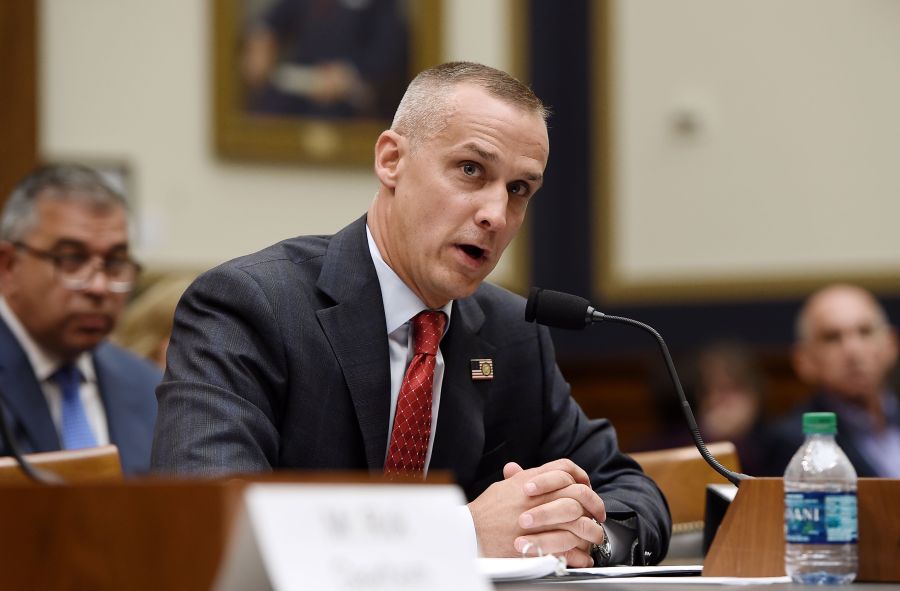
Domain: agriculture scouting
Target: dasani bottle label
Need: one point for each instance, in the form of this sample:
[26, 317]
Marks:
[820, 517]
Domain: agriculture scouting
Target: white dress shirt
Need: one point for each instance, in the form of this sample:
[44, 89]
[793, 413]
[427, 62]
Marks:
[44, 364]
[400, 306]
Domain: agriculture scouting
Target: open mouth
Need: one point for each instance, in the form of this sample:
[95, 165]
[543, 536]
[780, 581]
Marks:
[473, 252]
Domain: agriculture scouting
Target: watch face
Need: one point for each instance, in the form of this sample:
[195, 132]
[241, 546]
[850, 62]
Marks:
[601, 553]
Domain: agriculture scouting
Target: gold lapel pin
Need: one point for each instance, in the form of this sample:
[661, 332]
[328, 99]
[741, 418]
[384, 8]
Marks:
[482, 369]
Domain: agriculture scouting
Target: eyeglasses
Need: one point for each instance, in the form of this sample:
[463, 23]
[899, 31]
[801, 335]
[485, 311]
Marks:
[76, 270]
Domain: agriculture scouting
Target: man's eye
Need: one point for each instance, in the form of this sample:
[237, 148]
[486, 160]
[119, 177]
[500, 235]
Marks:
[831, 337]
[469, 169]
[520, 189]
[72, 261]
[117, 263]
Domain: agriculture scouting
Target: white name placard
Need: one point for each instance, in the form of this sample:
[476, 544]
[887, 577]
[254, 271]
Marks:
[350, 537]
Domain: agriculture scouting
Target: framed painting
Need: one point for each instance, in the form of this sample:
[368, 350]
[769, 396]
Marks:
[315, 81]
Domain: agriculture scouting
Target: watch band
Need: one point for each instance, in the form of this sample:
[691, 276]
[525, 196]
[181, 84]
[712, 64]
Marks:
[602, 553]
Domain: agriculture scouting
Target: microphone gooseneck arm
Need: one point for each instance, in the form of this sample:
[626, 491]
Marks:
[564, 310]
[733, 477]
[34, 473]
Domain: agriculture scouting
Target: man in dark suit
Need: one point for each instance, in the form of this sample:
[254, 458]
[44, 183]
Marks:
[309, 354]
[846, 349]
[65, 274]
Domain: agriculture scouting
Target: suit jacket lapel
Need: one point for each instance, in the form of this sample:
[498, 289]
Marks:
[23, 397]
[356, 329]
[459, 437]
[113, 388]
[864, 468]
[822, 403]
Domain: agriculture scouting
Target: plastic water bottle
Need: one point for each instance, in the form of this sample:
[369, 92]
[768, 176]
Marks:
[820, 522]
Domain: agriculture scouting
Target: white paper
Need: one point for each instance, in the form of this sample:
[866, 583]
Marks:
[645, 575]
[517, 569]
[658, 574]
[633, 571]
[687, 580]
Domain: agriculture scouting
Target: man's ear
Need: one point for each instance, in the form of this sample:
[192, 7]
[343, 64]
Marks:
[890, 348]
[7, 255]
[390, 151]
[7, 260]
[804, 366]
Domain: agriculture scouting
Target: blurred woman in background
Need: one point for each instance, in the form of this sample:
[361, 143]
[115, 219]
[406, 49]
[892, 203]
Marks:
[146, 325]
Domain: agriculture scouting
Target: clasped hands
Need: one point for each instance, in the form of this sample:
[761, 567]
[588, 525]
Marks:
[552, 507]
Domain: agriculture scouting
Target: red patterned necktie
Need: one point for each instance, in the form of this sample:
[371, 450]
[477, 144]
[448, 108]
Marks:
[412, 421]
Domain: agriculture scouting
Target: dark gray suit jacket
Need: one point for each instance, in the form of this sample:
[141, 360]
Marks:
[280, 360]
[126, 384]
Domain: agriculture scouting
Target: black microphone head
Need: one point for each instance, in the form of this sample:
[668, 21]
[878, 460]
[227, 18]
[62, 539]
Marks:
[557, 309]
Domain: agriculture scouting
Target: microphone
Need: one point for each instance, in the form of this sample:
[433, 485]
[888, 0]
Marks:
[563, 310]
[557, 309]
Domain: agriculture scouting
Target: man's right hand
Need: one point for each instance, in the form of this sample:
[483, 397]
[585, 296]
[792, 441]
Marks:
[552, 507]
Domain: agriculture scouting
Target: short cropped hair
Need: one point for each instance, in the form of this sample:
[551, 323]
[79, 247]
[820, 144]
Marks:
[59, 182]
[424, 109]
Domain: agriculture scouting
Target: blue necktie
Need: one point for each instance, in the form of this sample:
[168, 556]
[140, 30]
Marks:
[76, 431]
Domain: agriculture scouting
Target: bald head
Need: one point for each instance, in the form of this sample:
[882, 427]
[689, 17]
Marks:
[844, 343]
[833, 299]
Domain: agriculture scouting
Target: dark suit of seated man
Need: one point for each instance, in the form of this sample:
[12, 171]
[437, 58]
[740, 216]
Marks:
[65, 274]
[319, 352]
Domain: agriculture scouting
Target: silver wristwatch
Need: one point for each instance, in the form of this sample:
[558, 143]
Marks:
[602, 553]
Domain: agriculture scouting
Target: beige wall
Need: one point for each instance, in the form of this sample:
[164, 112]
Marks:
[129, 80]
[791, 167]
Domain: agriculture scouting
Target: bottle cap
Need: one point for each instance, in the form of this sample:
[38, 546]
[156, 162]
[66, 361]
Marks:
[822, 423]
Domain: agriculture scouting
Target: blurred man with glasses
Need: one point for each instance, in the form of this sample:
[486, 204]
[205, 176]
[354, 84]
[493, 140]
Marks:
[65, 276]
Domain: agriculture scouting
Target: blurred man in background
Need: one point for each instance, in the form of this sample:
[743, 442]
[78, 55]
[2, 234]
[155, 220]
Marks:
[846, 349]
[65, 274]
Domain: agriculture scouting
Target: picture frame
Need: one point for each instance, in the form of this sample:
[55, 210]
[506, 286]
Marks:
[289, 115]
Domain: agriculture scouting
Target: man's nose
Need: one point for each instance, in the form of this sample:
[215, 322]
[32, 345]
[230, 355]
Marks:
[492, 205]
[98, 283]
[854, 345]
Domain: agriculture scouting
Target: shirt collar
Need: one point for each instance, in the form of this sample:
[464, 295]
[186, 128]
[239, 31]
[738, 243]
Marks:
[400, 303]
[43, 362]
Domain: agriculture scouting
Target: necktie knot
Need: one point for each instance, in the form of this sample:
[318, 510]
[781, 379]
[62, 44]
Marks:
[428, 328]
[68, 377]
